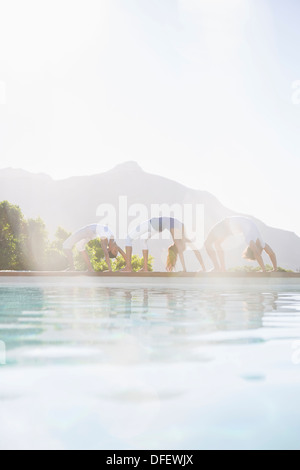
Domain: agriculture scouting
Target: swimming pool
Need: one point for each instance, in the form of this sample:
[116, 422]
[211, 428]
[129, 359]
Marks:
[149, 364]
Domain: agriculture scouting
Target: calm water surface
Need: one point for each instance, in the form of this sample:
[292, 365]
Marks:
[152, 366]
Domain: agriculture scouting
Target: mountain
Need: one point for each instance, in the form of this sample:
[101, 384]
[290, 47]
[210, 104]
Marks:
[74, 202]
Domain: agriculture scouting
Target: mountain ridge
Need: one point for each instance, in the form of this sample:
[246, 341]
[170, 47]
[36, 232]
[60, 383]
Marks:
[73, 203]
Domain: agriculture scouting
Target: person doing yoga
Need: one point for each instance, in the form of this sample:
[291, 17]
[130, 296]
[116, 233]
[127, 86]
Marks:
[86, 234]
[148, 229]
[234, 226]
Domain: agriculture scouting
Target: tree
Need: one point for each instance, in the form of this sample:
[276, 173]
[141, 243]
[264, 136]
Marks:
[61, 236]
[36, 244]
[56, 259]
[25, 245]
[12, 226]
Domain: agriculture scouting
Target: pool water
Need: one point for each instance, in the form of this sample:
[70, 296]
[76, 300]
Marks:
[190, 365]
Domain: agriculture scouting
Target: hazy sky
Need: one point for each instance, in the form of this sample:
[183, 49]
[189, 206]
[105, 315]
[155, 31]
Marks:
[200, 91]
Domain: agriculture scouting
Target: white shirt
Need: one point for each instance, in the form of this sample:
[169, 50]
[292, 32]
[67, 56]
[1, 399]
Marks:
[248, 228]
[86, 234]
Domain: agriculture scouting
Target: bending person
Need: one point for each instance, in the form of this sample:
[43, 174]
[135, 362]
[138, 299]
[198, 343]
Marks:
[151, 227]
[83, 236]
[233, 226]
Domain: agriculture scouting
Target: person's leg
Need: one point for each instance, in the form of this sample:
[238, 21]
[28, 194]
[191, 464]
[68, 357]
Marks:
[272, 256]
[139, 232]
[221, 256]
[200, 259]
[213, 256]
[182, 260]
[87, 261]
[146, 258]
[128, 267]
[145, 251]
[129, 259]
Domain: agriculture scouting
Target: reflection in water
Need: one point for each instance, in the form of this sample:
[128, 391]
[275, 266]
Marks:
[15, 309]
[93, 324]
[160, 368]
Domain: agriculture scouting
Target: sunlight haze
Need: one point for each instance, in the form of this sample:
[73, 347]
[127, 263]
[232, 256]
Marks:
[199, 91]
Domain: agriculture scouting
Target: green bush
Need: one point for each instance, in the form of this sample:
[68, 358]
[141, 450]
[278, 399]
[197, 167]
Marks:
[12, 237]
[256, 269]
[25, 245]
[99, 264]
[137, 263]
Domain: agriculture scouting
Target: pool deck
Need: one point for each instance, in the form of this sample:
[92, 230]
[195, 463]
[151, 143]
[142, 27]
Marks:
[209, 275]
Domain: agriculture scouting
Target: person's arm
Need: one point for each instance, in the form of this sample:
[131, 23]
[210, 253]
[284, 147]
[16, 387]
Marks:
[200, 259]
[182, 260]
[272, 256]
[122, 253]
[221, 256]
[197, 254]
[87, 261]
[106, 254]
[258, 256]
